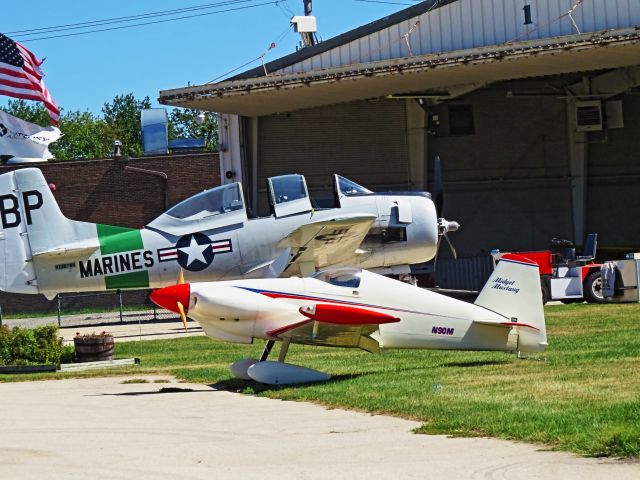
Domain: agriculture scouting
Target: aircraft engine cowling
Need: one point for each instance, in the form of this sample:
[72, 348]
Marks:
[229, 313]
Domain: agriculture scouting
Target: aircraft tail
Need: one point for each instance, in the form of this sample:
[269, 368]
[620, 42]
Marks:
[31, 223]
[513, 290]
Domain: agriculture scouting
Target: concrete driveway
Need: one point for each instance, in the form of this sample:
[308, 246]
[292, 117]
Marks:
[105, 429]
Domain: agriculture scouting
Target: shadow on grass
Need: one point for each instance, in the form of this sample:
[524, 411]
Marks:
[237, 385]
[476, 363]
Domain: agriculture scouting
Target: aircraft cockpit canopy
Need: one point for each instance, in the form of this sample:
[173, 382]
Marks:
[216, 201]
[340, 277]
[350, 188]
[288, 195]
[214, 208]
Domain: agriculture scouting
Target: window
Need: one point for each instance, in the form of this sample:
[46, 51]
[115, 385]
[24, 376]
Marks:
[461, 120]
[527, 15]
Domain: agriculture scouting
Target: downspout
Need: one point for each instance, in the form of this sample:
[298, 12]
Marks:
[155, 173]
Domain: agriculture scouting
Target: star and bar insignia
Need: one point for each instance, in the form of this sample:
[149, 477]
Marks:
[194, 252]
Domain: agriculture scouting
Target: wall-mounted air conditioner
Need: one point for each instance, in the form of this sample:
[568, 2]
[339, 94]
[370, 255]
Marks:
[589, 116]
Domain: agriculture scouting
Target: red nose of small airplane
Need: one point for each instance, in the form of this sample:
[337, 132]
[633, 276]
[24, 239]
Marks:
[168, 297]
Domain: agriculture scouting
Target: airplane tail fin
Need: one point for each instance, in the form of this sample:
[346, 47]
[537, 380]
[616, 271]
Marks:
[513, 290]
[31, 223]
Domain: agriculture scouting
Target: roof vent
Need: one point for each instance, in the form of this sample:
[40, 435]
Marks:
[155, 135]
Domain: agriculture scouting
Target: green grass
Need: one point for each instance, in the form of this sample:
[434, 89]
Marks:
[581, 395]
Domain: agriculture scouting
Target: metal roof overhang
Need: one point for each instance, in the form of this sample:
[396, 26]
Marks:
[285, 93]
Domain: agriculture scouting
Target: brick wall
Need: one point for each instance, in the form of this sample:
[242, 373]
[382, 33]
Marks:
[103, 191]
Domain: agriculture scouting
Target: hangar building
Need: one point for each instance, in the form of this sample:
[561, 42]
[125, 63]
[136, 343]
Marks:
[533, 106]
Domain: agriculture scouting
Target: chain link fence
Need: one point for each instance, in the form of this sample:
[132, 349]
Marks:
[83, 309]
[98, 308]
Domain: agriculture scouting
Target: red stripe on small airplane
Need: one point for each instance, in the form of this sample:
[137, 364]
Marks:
[345, 315]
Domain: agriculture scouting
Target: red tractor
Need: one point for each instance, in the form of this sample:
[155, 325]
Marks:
[565, 276]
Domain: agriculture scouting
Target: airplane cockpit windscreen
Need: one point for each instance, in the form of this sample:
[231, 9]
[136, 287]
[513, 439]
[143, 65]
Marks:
[288, 188]
[350, 188]
[340, 277]
[217, 201]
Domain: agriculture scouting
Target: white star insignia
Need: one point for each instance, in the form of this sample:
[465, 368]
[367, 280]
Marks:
[194, 251]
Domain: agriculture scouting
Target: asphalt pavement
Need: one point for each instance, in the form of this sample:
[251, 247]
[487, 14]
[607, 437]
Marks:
[103, 428]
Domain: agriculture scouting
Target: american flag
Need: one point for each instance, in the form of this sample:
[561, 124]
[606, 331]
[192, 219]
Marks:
[21, 77]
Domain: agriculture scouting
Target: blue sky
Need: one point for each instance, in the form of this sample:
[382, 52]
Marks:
[85, 71]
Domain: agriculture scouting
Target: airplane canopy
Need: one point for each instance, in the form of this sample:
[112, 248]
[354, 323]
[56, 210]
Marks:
[214, 208]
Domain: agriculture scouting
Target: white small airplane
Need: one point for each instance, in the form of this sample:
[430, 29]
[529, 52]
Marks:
[350, 307]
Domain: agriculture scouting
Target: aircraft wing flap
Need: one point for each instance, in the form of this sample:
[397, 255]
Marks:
[327, 242]
[311, 332]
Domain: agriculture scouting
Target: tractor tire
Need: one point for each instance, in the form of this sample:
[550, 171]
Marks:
[593, 288]
[545, 289]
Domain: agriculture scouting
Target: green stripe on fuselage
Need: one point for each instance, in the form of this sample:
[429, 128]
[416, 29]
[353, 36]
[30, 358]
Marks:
[118, 239]
[128, 280]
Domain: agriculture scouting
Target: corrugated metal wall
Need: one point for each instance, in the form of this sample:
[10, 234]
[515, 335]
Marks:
[478, 23]
[614, 182]
[508, 184]
[363, 141]
[470, 273]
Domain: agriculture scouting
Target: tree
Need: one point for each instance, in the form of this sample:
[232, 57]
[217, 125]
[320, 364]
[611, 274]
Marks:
[122, 122]
[29, 112]
[187, 123]
[84, 137]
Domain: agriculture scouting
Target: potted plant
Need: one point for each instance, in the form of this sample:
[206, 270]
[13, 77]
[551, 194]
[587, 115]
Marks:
[93, 347]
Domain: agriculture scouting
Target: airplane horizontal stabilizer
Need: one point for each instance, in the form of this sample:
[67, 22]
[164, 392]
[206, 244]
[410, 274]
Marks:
[507, 325]
[84, 248]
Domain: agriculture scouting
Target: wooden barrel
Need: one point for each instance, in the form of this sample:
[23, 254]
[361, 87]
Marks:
[97, 348]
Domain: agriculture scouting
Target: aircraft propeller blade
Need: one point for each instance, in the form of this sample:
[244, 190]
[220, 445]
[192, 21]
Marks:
[180, 277]
[435, 257]
[453, 250]
[183, 316]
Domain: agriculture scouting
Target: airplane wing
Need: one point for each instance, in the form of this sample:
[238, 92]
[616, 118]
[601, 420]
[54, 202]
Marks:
[327, 242]
[335, 326]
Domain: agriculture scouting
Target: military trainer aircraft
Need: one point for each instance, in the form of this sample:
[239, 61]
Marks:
[209, 236]
[349, 307]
